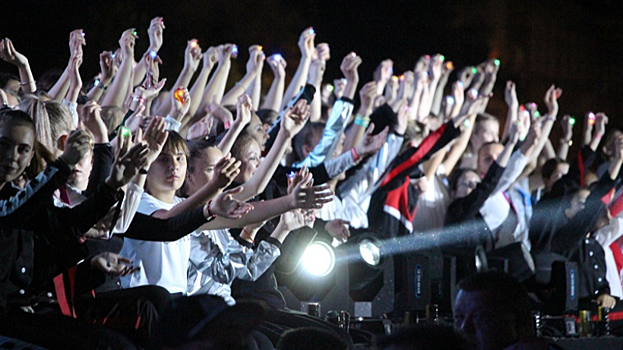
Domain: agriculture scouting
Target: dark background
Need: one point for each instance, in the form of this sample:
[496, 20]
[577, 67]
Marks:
[575, 44]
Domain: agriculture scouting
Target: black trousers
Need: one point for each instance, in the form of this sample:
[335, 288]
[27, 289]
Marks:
[132, 312]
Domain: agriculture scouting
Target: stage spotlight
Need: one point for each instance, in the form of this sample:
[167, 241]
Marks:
[370, 252]
[371, 275]
[318, 259]
[311, 272]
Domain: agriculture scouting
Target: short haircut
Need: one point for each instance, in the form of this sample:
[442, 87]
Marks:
[310, 338]
[425, 337]
[196, 149]
[242, 142]
[509, 295]
[174, 144]
[307, 137]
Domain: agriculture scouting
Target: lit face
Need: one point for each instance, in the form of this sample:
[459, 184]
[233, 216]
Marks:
[202, 169]
[13, 86]
[258, 130]
[79, 178]
[477, 315]
[485, 131]
[167, 173]
[250, 161]
[466, 184]
[487, 155]
[561, 170]
[16, 151]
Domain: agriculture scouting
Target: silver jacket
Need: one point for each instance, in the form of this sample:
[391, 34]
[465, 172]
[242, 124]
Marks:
[357, 189]
[216, 259]
[331, 135]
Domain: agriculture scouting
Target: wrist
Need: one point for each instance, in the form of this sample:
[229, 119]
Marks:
[112, 183]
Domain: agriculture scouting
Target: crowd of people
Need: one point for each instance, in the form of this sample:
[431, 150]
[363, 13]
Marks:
[135, 216]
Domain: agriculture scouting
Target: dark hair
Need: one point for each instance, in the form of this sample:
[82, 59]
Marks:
[550, 166]
[425, 337]
[310, 338]
[174, 143]
[306, 137]
[196, 149]
[5, 78]
[46, 81]
[13, 118]
[267, 116]
[453, 179]
[509, 295]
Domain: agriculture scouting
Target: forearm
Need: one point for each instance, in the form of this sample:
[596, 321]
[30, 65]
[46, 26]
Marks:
[230, 137]
[459, 147]
[298, 80]
[215, 89]
[438, 97]
[265, 172]
[563, 149]
[201, 197]
[139, 71]
[274, 97]
[543, 138]
[198, 89]
[255, 90]
[60, 88]
[281, 232]
[27, 81]
[150, 228]
[511, 117]
[262, 211]
[315, 108]
[96, 92]
[232, 95]
[119, 87]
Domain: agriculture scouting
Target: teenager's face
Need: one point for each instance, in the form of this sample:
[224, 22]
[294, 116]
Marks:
[168, 172]
[487, 131]
[203, 169]
[79, 178]
[16, 151]
[250, 161]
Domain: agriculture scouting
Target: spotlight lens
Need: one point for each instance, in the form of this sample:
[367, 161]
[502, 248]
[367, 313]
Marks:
[370, 252]
[318, 259]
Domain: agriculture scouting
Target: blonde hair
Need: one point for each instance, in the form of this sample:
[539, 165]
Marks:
[52, 119]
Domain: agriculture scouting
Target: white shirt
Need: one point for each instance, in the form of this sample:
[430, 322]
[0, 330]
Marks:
[164, 264]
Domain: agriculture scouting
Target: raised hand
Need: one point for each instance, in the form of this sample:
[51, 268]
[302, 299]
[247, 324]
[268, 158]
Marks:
[243, 109]
[107, 67]
[155, 30]
[316, 72]
[466, 75]
[10, 55]
[306, 43]
[77, 145]
[551, 100]
[90, 117]
[225, 53]
[199, 130]
[221, 113]
[155, 137]
[127, 164]
[192, 55]
[305, 196]
[127, 42]
[366, 96]
[567, 127]
[278, 65]
[180, 108]
[295, 117]
[601, 120]
[510, 95]
[224, 205]
[422, 64]
[323, 51]
[225, 171]
[210, 57]
[436, 65]
[76, 41]
[371, 143]
[256, 60]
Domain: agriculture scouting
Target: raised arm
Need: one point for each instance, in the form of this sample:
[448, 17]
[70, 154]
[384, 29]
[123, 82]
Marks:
[306, 45]
[274, 97]
[12, 56]
[243, 117]
[76, 41]
[155, 33]
[119, 87]
[210, 57]
[293, 121]
[255, 88]
[566, 140]
[254, 66]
